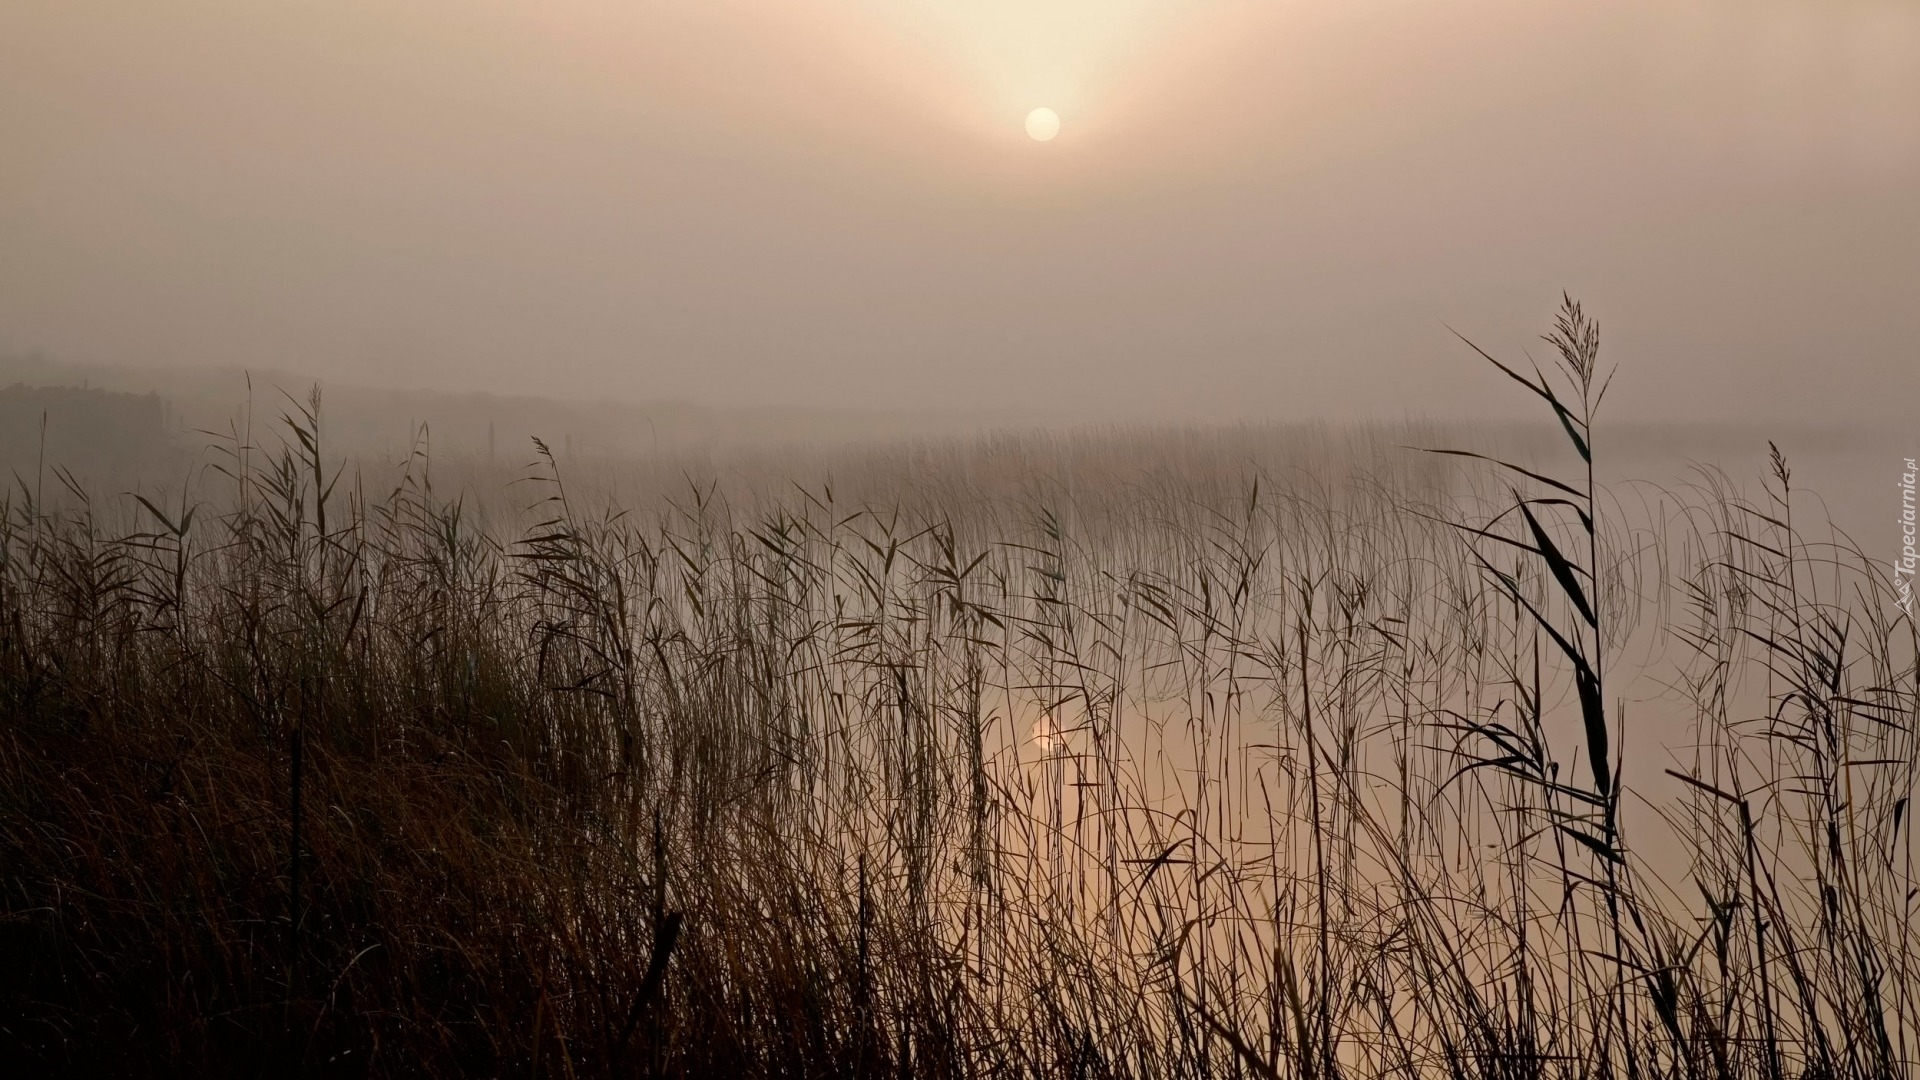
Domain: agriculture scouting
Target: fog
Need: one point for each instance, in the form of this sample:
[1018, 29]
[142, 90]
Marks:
[1252, 210]
[674, 538]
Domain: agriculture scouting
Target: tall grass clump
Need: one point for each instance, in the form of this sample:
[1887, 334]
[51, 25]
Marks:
[1365, 763]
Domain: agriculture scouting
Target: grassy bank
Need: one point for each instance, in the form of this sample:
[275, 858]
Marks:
[1312, 773]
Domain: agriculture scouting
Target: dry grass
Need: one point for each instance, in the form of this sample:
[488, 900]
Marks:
[1310, 772]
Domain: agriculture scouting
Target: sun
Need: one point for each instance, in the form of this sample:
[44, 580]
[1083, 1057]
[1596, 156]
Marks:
[1043, 124]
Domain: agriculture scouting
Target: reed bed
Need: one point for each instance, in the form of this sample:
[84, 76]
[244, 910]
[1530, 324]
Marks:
[1140, 771]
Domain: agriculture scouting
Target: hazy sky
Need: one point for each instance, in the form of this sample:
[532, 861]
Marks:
[1253, 208]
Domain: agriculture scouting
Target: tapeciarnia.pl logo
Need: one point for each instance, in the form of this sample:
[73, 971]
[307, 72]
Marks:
[1904, 565]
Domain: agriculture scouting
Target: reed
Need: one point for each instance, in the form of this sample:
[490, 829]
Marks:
[1159, 768]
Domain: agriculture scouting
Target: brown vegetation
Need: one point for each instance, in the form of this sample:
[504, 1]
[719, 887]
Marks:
[1306, 777]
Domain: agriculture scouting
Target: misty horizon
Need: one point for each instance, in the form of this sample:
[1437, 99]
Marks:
[952, 539]
[1248, 213]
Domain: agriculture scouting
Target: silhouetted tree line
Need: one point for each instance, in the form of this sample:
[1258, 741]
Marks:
[92, 433]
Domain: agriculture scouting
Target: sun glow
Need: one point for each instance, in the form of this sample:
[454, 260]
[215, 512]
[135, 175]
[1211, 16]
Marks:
[1013, 54]
[1047, 736]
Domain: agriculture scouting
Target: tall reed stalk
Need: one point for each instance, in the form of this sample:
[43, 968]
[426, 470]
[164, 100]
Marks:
[1163, 767]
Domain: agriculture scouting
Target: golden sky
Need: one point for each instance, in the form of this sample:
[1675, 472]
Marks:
[1252, 208]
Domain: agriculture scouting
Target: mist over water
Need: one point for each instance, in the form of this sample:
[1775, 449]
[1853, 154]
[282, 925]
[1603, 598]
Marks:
[670, 538]
[1251, 212]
